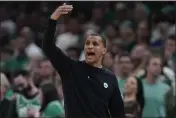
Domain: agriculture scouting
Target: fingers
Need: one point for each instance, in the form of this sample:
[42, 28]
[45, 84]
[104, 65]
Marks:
[61, 10]
[64, 9]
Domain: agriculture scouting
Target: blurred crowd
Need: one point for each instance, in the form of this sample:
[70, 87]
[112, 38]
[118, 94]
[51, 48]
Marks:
[141, 42]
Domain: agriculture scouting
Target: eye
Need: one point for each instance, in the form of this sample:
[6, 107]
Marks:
[87, 43]
[95, 43]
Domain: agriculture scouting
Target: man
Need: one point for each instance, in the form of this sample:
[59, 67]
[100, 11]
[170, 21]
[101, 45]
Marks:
[170, 52]
[108, 61]
[154, 89]
[125, 64]
[46, 72]
[27, 95]
[90, 91]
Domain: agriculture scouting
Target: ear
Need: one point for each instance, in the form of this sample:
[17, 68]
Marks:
[104, 51]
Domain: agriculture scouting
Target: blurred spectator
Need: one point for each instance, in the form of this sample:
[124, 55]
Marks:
[71, 37]
[108, 61]
[133, 98]
[26, 94]
[6, 106]
[170, 52]
[51, 107]
[139, 56]
[154, 90]
[125, 69]
[46, 72]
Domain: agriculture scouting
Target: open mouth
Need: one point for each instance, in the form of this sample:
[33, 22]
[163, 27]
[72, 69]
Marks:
[90, 53]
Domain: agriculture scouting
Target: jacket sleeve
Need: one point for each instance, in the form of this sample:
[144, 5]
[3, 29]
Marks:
[59, 60]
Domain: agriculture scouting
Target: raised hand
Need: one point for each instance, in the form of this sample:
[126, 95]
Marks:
[61, 10]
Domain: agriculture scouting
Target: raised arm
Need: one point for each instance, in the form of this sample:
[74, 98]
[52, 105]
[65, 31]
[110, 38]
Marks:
[59, 60]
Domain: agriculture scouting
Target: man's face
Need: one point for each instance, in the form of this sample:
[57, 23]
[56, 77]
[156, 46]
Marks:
[46, 69]
[126, 32]
[142, 29]
[140, 12]
[73, 25]
[20, 43]
[108, 60]
[20, 83]
[170, 46]
[137, 54]
[97, 14]
[125, 64]
[94, 49]
[154, 66]
[110, 31]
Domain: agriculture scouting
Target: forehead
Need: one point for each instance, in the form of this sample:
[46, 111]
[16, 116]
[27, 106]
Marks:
[132, 79]
[93, 38]
[124, 58]
[45, 62]
[19, 79]
[170, 41]
[155, 60]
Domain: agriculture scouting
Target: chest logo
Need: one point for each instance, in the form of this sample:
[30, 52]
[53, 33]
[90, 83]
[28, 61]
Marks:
[105, 85]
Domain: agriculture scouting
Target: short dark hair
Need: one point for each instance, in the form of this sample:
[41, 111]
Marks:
[97, 34]
[171, 37]
[158, 56]
[24, 73]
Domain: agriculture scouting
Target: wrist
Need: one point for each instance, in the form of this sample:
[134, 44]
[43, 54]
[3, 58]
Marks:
[54, 17]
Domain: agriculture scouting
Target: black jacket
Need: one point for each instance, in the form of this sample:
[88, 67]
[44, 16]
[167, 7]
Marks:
[89, 92]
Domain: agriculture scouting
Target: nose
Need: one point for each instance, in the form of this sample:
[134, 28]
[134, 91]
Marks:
[90, 46]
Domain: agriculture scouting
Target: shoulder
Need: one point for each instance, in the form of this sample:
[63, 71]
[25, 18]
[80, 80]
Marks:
[54, 105]
[111, 75]
[164, 87]
[54, 108]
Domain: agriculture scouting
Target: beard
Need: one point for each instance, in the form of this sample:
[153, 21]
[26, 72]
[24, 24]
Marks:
[25, 91]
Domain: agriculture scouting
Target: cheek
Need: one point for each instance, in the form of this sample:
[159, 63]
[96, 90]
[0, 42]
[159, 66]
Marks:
[85, 49]
[98, 51]
[134, 86]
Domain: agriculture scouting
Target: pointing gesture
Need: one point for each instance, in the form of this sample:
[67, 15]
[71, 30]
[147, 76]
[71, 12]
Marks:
[61, 10]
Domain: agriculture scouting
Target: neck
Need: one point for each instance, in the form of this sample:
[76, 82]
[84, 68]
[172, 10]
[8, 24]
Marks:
[130, 96]
[151, 79]
[97, 65]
